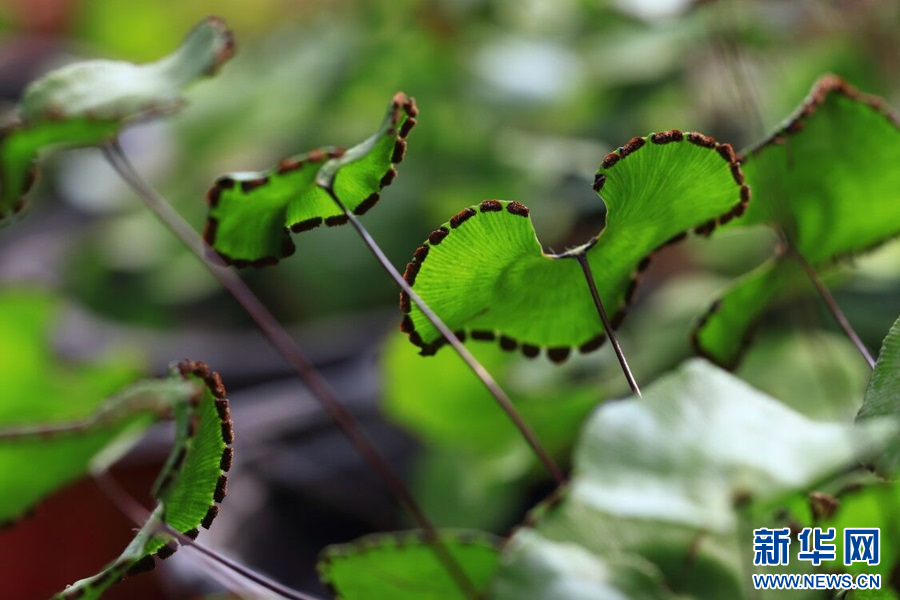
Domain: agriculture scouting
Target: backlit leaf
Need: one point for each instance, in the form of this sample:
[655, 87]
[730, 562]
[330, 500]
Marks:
[828, 181]
[67, 419]
[191, 485]
[485, 273]
[252, 214]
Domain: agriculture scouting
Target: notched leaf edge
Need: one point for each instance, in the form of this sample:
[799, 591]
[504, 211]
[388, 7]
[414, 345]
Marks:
[824, 87]
[398, 539]
[400, 103]
[122, 566]
[210, 229]
[561, 354]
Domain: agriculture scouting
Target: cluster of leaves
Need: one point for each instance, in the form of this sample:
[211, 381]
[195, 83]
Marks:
[74, 422]
[811, 179]
[665, 490]
[72, 431]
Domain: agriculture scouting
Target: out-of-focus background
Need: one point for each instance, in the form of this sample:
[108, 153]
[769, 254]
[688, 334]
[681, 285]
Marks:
[518, 100]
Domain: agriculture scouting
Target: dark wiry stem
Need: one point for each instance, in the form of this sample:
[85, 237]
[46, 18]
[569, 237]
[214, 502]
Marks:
[489, 382]
[610, 332]
[832, 305]
[290, 351]
[139, 515]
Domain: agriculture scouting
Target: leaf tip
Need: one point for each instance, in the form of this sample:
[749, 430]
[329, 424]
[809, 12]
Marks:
[225, 47]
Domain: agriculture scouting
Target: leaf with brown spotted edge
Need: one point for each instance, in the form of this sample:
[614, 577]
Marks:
[828, 181]
[251, 215]
[485, 273]
[191, 484]
[403, 566]
[87, 103]
[66, 419]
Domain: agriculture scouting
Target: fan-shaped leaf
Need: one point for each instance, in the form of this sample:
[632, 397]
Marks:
[191, 484]
[402, 566]
[252, 214]
[828, 181]
[485, 274]
[88, 102]
[658, 480]
[55, 416]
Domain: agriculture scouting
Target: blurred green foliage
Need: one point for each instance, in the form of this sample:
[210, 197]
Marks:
[402, 566]
[519, 101]
[664, 483]
[40, 389]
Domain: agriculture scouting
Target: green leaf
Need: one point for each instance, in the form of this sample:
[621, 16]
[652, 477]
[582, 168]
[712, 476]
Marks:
[660, 480]
[815, 372]
[86, 103]
[460, 413]
[251, 214]
[873, 505]
[485, 274]
[38, 388]
[537, 567]
[882, 594]
[883, 394]
[475, 457]
[66, 418]
[20, 145]
[402, 566]
[66, 449]
[191, 484]
[827, 181]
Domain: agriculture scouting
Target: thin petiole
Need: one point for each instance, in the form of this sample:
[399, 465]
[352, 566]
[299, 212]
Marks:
[286, 346]
[610, 332]
[832, 305]
[486, 378]
[138, 514]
